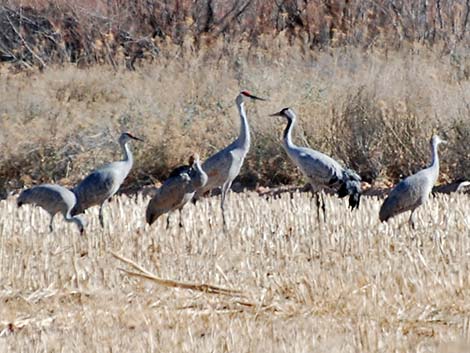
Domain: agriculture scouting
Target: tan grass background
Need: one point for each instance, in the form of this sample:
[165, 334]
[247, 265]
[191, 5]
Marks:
[346, 285]
[373, 111]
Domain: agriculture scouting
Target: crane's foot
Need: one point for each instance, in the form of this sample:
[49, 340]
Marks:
[51, 228]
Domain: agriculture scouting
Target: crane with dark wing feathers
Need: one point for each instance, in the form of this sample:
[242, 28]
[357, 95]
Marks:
[177, 190]
[321, 170]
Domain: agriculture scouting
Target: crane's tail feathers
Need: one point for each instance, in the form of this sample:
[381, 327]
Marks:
[352, 175]
[150, 216]
[354, 200]
[385, 213]
[383, 217]
[76, 210]
[23, 198]
[351, 187]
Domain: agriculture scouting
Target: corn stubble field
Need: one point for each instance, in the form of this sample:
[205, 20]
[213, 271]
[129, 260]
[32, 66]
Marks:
[284, 281]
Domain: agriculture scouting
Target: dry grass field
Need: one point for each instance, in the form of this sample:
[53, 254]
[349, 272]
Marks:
[293, 284]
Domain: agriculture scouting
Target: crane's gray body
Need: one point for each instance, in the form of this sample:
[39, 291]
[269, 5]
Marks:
[176, 191]
[320, 170]
[224, 166]
[100, 185]
[104, 182]
[413, 191]
[54, 199]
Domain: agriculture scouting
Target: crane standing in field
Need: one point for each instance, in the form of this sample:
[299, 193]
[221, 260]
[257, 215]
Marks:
[104, 182]
[321, 170]
[177, 190]
[224, 166]
[54, 199]
[413, 191]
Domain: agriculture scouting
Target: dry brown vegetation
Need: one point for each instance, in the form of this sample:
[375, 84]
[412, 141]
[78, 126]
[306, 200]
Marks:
[298, 285]
[372, 111]
[371, 81]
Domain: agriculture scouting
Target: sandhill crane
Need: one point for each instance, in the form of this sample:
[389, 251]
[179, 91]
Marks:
[54, 199]
[224, 166]
[104, 182]
[321, 170]
[177, 190]
[413, 191]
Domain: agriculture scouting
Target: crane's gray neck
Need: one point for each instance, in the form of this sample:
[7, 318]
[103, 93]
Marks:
[68, 218]
[200, 179]
[435, 159]
[244, 137]
[128, 158]
[287, 136]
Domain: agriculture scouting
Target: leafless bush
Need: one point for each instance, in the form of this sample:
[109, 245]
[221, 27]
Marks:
[41, 32]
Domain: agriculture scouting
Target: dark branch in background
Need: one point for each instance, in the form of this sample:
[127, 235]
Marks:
[465, 20]
[124, 32]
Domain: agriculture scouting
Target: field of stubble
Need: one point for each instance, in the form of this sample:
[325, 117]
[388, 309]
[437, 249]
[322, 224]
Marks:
[347, 284]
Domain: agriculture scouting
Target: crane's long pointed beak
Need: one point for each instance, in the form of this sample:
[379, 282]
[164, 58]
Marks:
[276, 114]
[138, 139]
[254, 97]
[258, 98]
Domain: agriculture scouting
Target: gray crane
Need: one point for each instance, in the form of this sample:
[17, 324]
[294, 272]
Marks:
[224, 166]
[104, 182]
[54, 199]
[413, 191]
[321, 170]
[177, 190]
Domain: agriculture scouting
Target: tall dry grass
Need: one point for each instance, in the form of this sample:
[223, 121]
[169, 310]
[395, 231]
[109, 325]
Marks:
[346, 285]
[371, 81]
[374, 111]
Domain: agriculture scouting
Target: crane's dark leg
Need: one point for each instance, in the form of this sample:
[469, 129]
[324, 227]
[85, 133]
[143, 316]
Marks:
[101, 215]
[316, 195]
[51, 226]
[181, 219]
[167, 221]
[317, 202]
[322, 196]
[411, 220]
[225, 188]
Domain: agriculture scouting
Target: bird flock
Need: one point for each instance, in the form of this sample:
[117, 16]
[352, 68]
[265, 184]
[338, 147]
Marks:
[191, 182]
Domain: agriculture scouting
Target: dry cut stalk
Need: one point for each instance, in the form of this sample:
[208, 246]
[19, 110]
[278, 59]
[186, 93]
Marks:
[206, 288]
